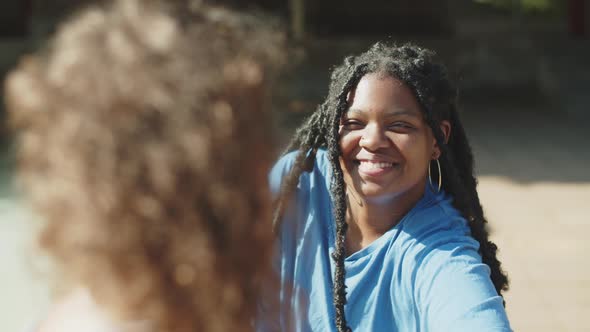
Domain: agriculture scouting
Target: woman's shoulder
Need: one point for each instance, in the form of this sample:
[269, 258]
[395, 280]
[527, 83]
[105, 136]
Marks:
[78, 311]
[438, 230]
[451, 284]
[435, 217]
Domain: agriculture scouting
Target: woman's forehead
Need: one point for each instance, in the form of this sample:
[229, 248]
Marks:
[386, 93]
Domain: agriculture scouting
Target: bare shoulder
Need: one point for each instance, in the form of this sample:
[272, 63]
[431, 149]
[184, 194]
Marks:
[77, 311]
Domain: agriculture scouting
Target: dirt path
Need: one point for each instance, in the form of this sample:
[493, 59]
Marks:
[535, 189]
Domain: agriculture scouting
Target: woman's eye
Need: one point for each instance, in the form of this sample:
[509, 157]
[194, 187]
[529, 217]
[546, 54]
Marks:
[352, 124]
[401, 126]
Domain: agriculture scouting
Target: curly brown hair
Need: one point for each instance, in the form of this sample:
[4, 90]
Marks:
[143, 145]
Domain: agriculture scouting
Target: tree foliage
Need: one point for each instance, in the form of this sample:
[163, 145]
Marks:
[529, 5]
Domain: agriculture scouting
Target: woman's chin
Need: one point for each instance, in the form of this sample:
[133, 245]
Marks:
[373, 192]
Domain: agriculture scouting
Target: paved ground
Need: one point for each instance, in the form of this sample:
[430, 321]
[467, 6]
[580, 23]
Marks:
[535, 188]
[542, 230]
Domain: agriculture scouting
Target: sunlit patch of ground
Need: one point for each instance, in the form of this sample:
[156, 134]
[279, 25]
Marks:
[542, 231]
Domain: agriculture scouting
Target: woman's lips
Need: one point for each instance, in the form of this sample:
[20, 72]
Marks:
[375, 168]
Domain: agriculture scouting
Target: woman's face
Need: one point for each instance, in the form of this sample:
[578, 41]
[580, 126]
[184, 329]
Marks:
[386, 144]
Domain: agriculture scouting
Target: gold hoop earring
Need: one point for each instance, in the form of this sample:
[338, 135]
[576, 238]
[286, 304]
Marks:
[439, 176]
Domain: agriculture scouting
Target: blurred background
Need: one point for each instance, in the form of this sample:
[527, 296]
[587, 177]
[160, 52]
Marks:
[523, 71]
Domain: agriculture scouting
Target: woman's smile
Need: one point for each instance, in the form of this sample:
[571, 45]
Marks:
[372, 168]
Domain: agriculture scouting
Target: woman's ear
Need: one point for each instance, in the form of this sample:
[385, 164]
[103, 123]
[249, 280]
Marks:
[445, 127]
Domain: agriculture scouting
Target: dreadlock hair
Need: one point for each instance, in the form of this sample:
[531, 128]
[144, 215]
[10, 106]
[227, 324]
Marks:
[428, 80]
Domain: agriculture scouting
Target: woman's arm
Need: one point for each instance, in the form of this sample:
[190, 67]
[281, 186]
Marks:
[454, 291]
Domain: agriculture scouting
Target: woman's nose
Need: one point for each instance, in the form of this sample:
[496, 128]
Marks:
[373, 138]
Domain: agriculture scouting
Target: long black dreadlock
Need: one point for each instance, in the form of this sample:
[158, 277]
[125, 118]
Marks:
[428, 80]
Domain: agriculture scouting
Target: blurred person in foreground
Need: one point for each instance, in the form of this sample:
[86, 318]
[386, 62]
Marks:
[142, 132]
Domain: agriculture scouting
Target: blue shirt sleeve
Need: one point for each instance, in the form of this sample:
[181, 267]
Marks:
[279, 171]
[454, 291]
[268, 318]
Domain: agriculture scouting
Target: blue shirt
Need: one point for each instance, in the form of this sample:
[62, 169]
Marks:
[424, 274]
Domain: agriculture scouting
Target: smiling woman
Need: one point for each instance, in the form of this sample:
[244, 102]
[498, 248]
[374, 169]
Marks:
[361, 219]
[386, 148]
[385, 142]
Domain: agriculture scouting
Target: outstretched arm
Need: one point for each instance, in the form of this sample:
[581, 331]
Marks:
[454, 291]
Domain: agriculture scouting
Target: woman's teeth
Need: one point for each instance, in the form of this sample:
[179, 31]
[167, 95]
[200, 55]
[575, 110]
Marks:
[375, 165]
